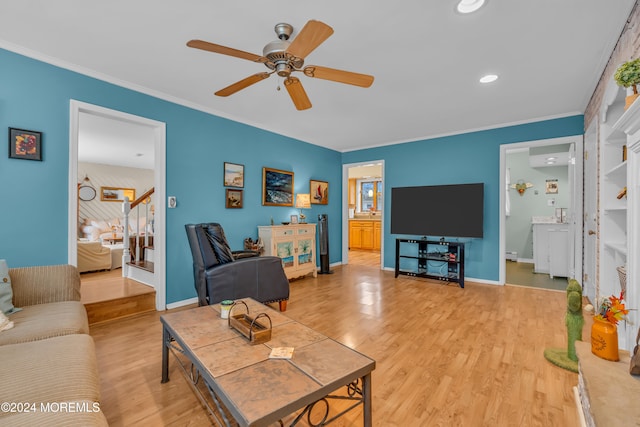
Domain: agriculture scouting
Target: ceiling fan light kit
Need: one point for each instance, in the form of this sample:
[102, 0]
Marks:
[283, 57]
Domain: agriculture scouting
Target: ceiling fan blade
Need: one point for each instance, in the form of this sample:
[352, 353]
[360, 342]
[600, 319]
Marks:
[297, 93]
[216, 48]
[237, 86]
[310, 37]
[340, 76]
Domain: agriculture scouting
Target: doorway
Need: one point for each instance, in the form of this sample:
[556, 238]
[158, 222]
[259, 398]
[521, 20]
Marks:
[156, 130]
[362, 217]
[563, 219]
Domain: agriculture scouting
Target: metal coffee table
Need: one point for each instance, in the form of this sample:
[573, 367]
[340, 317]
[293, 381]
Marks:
[248, 388]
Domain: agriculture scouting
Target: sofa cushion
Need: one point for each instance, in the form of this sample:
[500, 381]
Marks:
[60, 369]
[41, 321]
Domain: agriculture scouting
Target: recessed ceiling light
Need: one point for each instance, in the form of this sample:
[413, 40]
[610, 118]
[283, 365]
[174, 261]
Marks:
[488, 78]
[468, 6]
[551, 158]
[550, 162]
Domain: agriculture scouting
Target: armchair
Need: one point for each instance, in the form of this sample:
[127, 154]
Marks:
[220, 273]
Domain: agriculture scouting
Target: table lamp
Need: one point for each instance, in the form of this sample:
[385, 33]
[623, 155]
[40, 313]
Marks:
[303, 201]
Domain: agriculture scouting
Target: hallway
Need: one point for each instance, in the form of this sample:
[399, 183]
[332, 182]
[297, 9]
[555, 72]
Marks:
[364, 257]
[521, 274]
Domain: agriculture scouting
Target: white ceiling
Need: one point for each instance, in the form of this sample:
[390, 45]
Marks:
[115, 142]
[426, 59]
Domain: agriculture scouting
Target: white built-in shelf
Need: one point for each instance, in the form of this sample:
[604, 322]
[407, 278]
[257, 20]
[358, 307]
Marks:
[617, 138]
[615, 209]
[629, 122]
[617, 170]
[620, 247]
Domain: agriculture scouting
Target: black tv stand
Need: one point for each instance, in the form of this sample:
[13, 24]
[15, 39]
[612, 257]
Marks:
[431, 259]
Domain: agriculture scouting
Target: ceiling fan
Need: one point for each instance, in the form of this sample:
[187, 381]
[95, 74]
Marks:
[284, 57]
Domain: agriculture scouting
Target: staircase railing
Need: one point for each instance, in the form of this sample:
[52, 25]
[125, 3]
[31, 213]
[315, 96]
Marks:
[134, 207]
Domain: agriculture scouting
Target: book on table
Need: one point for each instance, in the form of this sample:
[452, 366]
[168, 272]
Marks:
[281, 353]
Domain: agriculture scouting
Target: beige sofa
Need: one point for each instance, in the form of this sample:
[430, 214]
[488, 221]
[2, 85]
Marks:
[48, 363]
[92, 256]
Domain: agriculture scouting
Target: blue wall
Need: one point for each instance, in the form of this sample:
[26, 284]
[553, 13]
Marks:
[465, 158]
[34, 195]
[34, 199]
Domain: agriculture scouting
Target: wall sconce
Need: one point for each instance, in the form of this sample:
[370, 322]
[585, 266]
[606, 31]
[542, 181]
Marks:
[303, 201]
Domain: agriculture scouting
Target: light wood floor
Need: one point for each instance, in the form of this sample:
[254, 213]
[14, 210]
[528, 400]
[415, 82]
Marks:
[363, 257]
[109, 285]
[445, 356]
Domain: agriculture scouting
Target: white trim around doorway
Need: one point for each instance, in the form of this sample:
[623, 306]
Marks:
[577, 198]
[345, 210]
[159, 134]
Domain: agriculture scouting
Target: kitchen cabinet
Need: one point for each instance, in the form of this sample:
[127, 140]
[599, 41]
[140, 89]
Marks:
[352, 192]
[377, 235]
[295, 244]
[363, 234]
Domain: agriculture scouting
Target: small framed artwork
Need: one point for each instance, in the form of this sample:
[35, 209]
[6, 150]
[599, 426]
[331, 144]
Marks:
[294, 219]
[25, 144]
[233, 175]
[319, 191]
[115, 194]
[277, 187]
[233, 199]
[552, 186]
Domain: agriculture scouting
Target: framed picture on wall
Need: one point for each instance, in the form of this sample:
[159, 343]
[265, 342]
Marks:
[277, 187]
[25, 144]
[319, 191]
[233, 199]
[233, 175]
[116, 194]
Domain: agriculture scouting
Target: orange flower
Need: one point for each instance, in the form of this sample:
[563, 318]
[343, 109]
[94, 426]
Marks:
[613, 310]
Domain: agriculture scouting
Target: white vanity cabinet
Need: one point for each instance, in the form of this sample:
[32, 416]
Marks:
[551, 249]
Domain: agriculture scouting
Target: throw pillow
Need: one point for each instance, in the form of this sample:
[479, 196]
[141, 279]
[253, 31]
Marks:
[6, 293]
[5, 323]
[102, 226]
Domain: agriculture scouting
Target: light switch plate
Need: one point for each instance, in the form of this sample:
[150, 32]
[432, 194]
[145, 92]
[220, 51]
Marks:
[551, 202]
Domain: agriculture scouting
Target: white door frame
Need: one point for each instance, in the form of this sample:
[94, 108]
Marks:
[590, 215]
[345, 210]
[159, 241]
[575, 221]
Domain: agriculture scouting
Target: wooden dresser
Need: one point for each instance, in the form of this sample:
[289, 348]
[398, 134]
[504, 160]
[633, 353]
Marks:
[295, 244]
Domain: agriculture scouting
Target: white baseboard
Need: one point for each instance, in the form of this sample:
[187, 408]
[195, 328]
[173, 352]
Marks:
[466, 279]
[142, 276]
[182, 303]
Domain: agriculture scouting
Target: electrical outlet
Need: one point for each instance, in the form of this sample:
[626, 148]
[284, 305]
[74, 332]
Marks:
[171, 202]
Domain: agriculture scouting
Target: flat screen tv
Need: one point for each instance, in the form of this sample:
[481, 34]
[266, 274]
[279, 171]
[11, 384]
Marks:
[438, 210]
